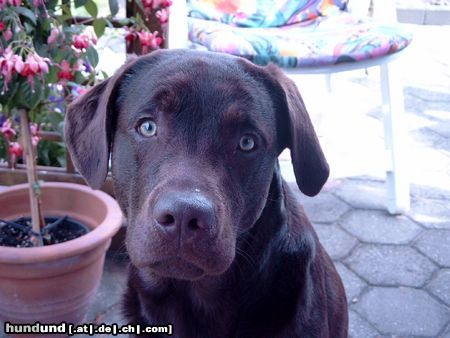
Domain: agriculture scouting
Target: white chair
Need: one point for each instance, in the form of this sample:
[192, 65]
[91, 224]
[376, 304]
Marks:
[398, 194]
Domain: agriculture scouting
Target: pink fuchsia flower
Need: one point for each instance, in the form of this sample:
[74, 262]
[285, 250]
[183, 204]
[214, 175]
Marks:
[2, 26]
[34, 129]
[83, 41]
[162, 3]
[34, 65]
[54, 33]
[15, 149]
[16, 3]
[35, 140]
[38, 3]
[7, 63]
[147, 3]
[130, 35]
[66, 72]
[7, 130]
[8, 34]
[35, 137]
[18, 63]
[149, 40]
[3, 4]
[163, 15]
[82, 91]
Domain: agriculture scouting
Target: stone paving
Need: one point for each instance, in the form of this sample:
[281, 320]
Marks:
[396, 269]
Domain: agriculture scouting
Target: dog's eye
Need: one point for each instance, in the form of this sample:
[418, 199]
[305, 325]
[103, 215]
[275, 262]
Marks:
[247, 143]
[147, 128]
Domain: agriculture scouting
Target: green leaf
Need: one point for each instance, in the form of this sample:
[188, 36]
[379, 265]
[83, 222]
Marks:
[80, 3]
[99, 27]
[92, 56]
[91, 8]
[105, 75]
[26, 13]
[27, 97]
[113, 7]
[79, 78]
[52, 76]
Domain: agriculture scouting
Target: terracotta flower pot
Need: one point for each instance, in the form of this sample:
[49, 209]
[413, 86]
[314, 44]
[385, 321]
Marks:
[56, 283]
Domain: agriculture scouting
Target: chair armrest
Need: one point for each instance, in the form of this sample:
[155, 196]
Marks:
[177, 35]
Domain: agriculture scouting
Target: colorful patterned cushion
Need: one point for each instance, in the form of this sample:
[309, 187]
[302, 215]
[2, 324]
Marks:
[262, 13]
[323, 41]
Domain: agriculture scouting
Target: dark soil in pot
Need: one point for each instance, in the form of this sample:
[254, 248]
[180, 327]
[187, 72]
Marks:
[18, 233]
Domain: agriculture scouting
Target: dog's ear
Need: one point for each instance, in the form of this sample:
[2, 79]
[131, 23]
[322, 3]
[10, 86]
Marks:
[87, 129]
[310, 166]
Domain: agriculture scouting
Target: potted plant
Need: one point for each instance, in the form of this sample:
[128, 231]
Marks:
[53, 236]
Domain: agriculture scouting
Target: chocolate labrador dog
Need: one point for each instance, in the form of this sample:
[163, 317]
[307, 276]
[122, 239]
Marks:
[219, 244]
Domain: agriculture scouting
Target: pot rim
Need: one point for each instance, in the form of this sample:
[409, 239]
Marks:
[101, 234]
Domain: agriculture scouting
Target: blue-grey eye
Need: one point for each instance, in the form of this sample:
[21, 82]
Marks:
[147, 128]
[246, 143]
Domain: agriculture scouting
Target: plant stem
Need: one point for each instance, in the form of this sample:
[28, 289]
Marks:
[34, 188]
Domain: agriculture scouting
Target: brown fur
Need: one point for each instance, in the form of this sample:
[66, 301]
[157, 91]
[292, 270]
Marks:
[218, 242]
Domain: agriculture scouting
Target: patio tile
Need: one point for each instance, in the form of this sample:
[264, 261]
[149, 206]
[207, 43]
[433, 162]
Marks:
[337, 242]
[436, 245]
[378, 226]
[111, 287]
[403, 311]
[358, 327]
[391, 265]
[440, 286]
[323, 208]
[421, 191]
[352, 283]
[431, 213]
[112, 316]
[446, 333]
[363, 194]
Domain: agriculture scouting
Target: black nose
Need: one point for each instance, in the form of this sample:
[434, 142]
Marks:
[188, 214]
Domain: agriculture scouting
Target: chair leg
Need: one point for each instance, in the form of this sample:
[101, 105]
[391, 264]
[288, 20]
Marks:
[328, 83]
[397, 180]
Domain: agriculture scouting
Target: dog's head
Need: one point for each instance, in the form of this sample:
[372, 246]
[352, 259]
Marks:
[194, 138]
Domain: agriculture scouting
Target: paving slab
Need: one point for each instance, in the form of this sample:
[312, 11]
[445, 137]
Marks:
[391, 265]
[431, 213]
[377, 226]
[446, 333]
[435, 244]
[374, 193]
[403, 311]
[337, 242]
[111, 287]
[352, 283]
[426, 192]
[359, 327]
[440, 286]
[317, 213]
[112, 316]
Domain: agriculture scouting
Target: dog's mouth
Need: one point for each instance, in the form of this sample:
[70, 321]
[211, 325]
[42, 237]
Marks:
[177, 267]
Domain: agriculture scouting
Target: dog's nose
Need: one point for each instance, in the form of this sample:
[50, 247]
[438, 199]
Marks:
[189, 213]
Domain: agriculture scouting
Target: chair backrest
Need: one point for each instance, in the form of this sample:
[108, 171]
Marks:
[262, 13]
